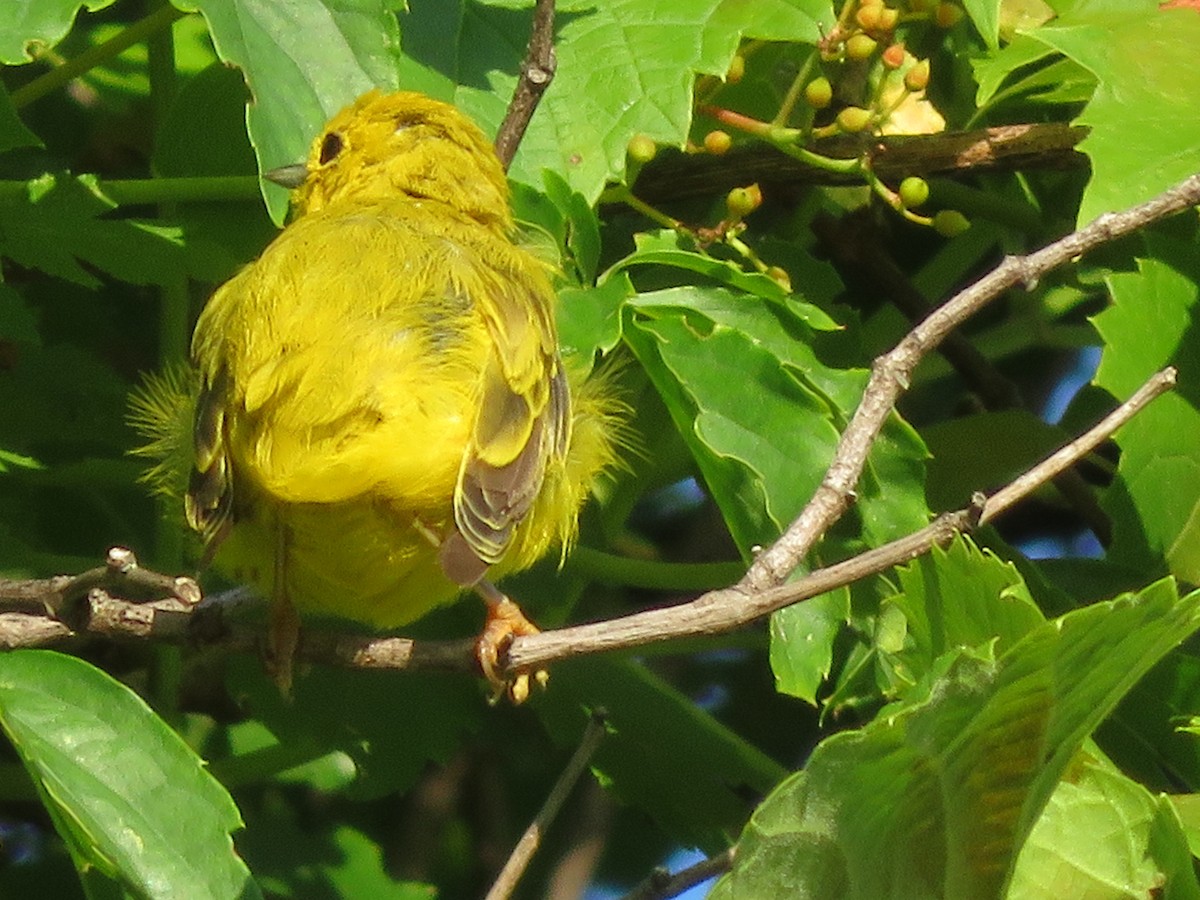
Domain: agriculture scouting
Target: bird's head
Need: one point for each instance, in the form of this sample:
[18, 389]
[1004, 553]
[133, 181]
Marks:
[402, 143]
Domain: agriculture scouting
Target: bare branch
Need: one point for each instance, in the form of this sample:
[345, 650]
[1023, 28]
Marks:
[661, 884]
[514, 868]
[678, 176]
[537, 71]
[891, 374]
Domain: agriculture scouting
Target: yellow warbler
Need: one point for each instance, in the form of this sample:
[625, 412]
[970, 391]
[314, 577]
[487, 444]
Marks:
[383, 418]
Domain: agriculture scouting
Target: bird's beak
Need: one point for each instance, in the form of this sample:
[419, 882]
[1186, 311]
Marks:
[290, 177]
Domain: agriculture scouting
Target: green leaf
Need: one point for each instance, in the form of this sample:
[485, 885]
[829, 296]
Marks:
[985, 15]
[1104, 835]
[1155, 501]
[127, 795]
[28, 26]
[706, 350]
[1014, 440]
[954, 599]
[802, 637]
[336, 709]
[589, 319]
[303, 62]
[936, 799]
[56, 224]
[13, 133]
[1143, 57]
[625, 67]
[1028, 70]
[664, 754]
[204, 134]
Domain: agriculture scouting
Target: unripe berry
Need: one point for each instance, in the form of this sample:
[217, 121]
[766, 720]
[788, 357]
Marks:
[916, 78]
[853, 119]
[950, 222]
[888, 18]
[641, 148]
[717, 142]
[860, 46]
[818, 93]
[737, 68]
[914, 191]
[741, 201]
[867, 16]
[947, 15]
[893, 56]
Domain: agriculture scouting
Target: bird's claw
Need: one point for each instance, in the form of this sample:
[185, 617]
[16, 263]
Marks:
[505, 621]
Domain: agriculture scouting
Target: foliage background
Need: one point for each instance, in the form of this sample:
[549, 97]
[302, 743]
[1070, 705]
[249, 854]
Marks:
[941, 724]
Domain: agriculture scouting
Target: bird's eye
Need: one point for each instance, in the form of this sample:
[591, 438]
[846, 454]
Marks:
[331, 146]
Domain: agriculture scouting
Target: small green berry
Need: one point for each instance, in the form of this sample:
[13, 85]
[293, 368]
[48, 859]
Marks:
[950, 222]
[818, 93]
[947, 15]
[867, 16]
[888, 18]
[737, 68]
[860, 46]
[914, 191]
[853, 119]
[641, 148]
[916, 78]
[717, 142]
[741, 201]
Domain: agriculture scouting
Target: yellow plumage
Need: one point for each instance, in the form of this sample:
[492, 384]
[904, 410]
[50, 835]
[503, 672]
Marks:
[386, 377]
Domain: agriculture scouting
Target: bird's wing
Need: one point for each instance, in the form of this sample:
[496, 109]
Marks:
[522, 426]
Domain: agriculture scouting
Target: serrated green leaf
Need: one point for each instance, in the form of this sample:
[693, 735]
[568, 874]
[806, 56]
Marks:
[761, 459]
[957, 598]
[625, 67]
[1142, 56]
[589, 318]
[936, 799]
[127, 795]
[303, 63]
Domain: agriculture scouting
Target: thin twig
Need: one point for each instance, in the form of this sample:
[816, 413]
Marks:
[518, 860]
[891, 373]
[853, 243]
[537, 71]
[661, 884]
[1069, 454]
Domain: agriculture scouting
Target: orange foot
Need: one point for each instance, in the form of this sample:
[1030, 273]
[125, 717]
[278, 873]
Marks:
[505, 621]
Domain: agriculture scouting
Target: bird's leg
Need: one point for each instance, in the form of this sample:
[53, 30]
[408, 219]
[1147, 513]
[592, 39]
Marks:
[283, 622]
[505, 621]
